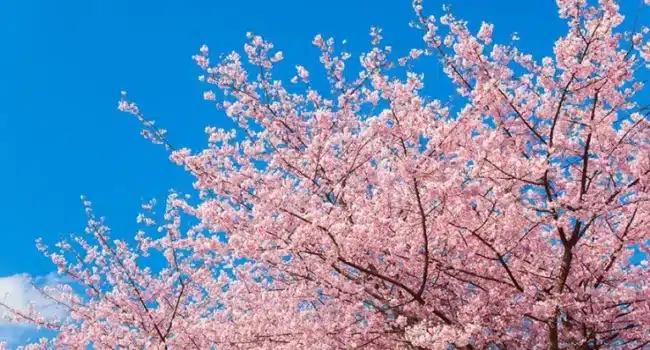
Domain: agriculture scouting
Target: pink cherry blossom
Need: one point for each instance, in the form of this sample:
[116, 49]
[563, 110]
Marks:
[485, 33]
[373, 216]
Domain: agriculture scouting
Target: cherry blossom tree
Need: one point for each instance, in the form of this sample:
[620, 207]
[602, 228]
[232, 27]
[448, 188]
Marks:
[372, 216]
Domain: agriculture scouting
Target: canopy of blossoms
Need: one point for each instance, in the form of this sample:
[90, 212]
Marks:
[372, 216]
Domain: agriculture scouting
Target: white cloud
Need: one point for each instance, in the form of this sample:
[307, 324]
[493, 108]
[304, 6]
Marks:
[18, 292]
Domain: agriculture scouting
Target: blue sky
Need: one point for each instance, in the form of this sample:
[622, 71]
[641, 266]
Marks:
[64, 63]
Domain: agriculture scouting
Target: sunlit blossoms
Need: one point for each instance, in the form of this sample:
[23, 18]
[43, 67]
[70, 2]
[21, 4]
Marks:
[369, 215]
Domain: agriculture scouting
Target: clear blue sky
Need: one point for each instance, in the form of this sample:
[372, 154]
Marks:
[63, 64]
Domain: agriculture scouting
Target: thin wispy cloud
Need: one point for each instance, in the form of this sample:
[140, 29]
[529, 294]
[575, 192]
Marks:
[18, 292]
